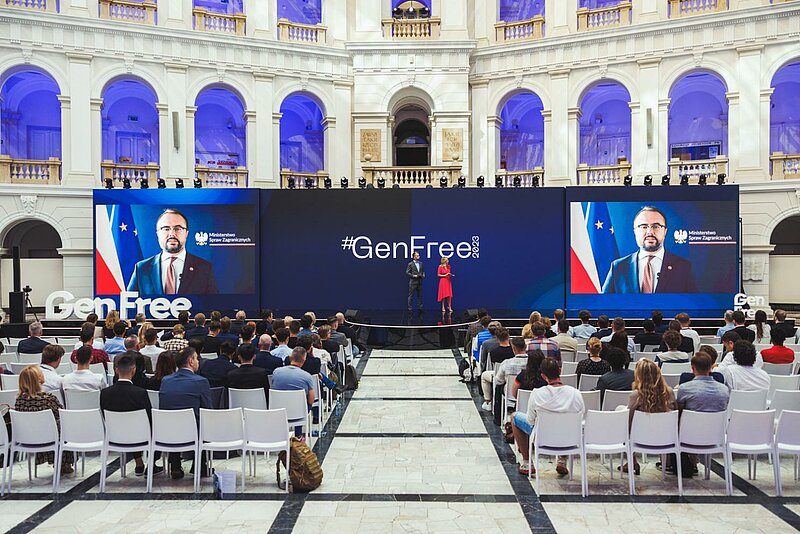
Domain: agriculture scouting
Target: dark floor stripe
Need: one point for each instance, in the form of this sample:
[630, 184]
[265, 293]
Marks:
[401, 358]
[412, 399]
[389, 375]
[411, 497]
[410, 435]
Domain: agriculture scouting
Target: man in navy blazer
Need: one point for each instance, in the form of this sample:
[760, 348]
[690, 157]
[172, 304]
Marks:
[190, 274]
[651, 269]
[184, 389]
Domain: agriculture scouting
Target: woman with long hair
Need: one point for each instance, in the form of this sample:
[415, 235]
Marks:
[165, 365]
[145, 326]
[530, 377]
[111, 319]
[445, 284]
[761, 328]
[620, 341]
[594, 364]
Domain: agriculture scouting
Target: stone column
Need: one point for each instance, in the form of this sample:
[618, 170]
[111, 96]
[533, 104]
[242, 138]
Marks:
[368, 15]
[263, 166]
[262, 21]
[574, 146]
[547, 115]
[77, 262]
[765, 109]
[176, 100]
[482, 137]
[435, 151]
[175, 14]
[560, 17]
[189, 141]
[751, 148]
[343, 99]
[755, 269]
[96, 127]
[493, 123]
[164, 140]
[560, 163]
[330, 148]
[251, 148]
[730, 147]
[649, 10]
[638, 140]
[76, 125]
[663, 137]
[276, 149]
[647, 136]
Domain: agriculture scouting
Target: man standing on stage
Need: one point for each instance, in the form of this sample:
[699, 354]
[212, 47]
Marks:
[416, 273]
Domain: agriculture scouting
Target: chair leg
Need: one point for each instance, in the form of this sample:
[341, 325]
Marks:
[288, 464]
[728, 473]
[123, 463]
[56, 470]
[631, 483]
[198, 455]
[29, 469]
[679, 470]
[531, 466]
[150, 454]
[755, 466]
[776, 466]
[708, 467]
[83, 464]
[244, 460]
[611, 467]
[584, 481]
[103, 460]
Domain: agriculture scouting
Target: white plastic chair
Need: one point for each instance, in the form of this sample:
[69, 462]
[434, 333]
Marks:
[788, 383]
[787, 441]
[751, 401]
[174, 431]
[10, 382]
[82, 400]
[9, 396]
[29, 358]
[581, 355]
[523, 396]
[591, 400]
[704, 433]
[4, 449]
[785, 400]
[650, 348]
[708, 340]
[654, 433]
[33, 432]
[568, 368]
[568, 356]
[588, 382]
[81, 431]
[751, 433]
[99, 369]
[671, 379]
[8, 358]
[318, 404]
[154, 402]
[266, 431]
[675, 368]
[221, 430]
[558, 434]
[606, 433]
[17, 368]
[67, 341]
[125, 432]
[644, 356]
[612, 399]
[784, 369]
[247, 398]
[570, 380]
[296, 405]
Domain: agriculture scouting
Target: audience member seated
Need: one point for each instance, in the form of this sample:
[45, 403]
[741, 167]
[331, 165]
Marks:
[346, 330]
[712, 354]
[32, 398]
[619, 378]
[777, 353]
[292, 377]
[33, 344]
[555, 397]
[294, 328]
[779, 320]
[264, 326]
[498, 355]
[165, 366]
[760, 327]
[618, 327]
[558, 315]
[138, 319]
[672, 340]
[647, 338]
[489, 344]
[247, 375]
[108, 325]
[87, 340]
[743, 375]
[728, 318]
[729, 341]
[264, 358]
[503, 350]
[185, 389]
[51, 359]
[548, 328]
[143, 363]
[548, 347]
[515, 367]
[82, 378]
[216, 370]
[530, 377]
[618, 340]
[124, 396]
[150, 349]
[482, 335]
[199, 329]
[212, 342]
[744, 332]
[238, 323]
[177, 342]
[319, 351]
[703, 393]
[564, 340]
[282, 350]
[472, 330]
[248, 331]
[331, 346]
[91, 320]
[140, 376]
[685, 322]
[658, 320]
[306, 324]
[584, 330]
[603, 328]
[313, 365]
[686, 344]
[116, 344]
[594, 364]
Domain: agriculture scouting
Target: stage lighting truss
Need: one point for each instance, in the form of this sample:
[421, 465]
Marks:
[178, 183]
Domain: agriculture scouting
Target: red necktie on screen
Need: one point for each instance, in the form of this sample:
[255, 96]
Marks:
[169, 287]
[647, 283]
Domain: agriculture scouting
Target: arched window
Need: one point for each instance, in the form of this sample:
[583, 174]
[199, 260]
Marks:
[605, 125]
[219, 130]
[522, 133]
[698, 118]
[302, 135]
[784, 122]
[30, 116]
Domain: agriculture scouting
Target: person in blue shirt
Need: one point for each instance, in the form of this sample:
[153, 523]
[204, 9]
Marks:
[116, 345]
[729, 324]
[482, 335]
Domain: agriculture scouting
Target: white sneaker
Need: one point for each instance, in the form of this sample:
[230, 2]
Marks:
[487, 406]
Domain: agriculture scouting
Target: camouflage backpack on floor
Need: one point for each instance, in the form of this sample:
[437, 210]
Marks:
[305, 473]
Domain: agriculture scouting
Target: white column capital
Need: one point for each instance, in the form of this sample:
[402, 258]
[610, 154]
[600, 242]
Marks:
[263, 76]
[559, 74]
[65, 101]
[191, 111]
[328, 122]
[547, 115]
[733, 97]
[96, 104]
[649, 63]
[276, 117]
[249, 116]
[766, 94]
[634, 106]
[750, 49]
[574, 113]
[163, 109]
[79, 57]
[494, 121]
[663, 104]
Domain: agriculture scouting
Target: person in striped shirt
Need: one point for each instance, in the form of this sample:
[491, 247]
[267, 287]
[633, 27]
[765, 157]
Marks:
[549, 348]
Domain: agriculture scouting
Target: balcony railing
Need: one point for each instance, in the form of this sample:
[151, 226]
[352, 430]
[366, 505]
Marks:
[686, 8]
[209, 21]
[410, 177]
[522, 30]
[36, 5]
[120, 171]
[532, 178]
[221, 177]
[695, 168]
[605, 17]
[301, 33]
[785, 166]
[139, 12]
[30, 171]
[300, 179]
[412, 28]
[603, 174]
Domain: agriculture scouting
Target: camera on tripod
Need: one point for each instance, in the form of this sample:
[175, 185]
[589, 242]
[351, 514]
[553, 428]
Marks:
[26, 290]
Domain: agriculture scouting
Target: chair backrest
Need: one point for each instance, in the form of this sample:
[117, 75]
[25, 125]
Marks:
[570, 380]
[154, 402]
[702, 428]
[81, 426]
[248, 398]
[644, 356]
[788, 429]
[293, 401]
[82, 400]
[221, 425]
[8, 358]
[747, 400]
[654, 429]
[675, 368]
[591, 399]
[778, 368]
[68, 341]
[568, 368]
[173, 427]
[266, 426]
[127, 428]
[29, 358]
[789, 383]
[650, 348]
[605, 428]
[10, 382]
[218, 398]
[751, 427]
[672, 380]
[612, 399]
[523, 396]
[558, 430]
[588, 382]
[581, 355]
[50, 339]
[98, 369]
[568, 356]
[510, 400]
[785, 400]
[17, 368]
[9, 396]
[33, 428]
[708, 340]
[208, 355]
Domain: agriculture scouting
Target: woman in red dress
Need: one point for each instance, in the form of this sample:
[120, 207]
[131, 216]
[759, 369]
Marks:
[445, 284]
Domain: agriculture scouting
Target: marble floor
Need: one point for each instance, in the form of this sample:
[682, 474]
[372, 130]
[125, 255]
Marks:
[411, 451]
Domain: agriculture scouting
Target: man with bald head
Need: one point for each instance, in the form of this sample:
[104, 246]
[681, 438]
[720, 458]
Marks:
[347, 330]
[263, 358]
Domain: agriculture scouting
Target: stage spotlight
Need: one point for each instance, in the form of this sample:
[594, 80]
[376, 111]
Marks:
[424, 12]
[684, 179]
[178, 183]
[290, 183]
[162, 183]
[411, 13]
[381, 182]
[144, 184]
[703, 180]
[397, 13]
[126, 183]
[309, 183]
[198, 183]
[362, 182]
[721, 178]
[537, 180]
[443, 182]
[109, 183]
[665, 179]
[328, 183]
[498, 181]
[344, 182]
[462, 181]
[429, 186]
[481, 181]
[628, 180]
[648, 180]
[517, 181]
[396, 186]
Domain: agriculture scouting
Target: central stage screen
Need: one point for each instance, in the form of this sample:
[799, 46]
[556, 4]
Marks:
[332, 249]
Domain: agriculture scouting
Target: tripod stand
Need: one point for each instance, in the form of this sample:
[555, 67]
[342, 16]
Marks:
[29, 305]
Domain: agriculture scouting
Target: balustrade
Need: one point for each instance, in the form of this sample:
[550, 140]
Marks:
[686, 8]
[35, 5]
[209, 21]
[135, 173]
[409, 177]
[30, 171]
[302, 179]
[301, 33]
[603, 174]
[139, 12]
[412, 28]
[531, 178]
[606, 17]
[522, 30]
[785, 166]
[695, 168]
[221, 177]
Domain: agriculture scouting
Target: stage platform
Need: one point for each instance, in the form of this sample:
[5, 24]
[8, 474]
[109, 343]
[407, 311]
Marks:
[412, 331]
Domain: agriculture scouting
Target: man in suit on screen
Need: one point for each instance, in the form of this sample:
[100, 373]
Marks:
[173, 270]
[651, 269]
[416, 274]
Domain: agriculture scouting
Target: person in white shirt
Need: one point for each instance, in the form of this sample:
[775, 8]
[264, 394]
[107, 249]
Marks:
[729, 341]
[672, 340]
[685, 321]
[618, 325]
[555, 397]
[584, 330]
[743, 375]
[51, 359]
[83, 379]
[559, 315]
[151, 348]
